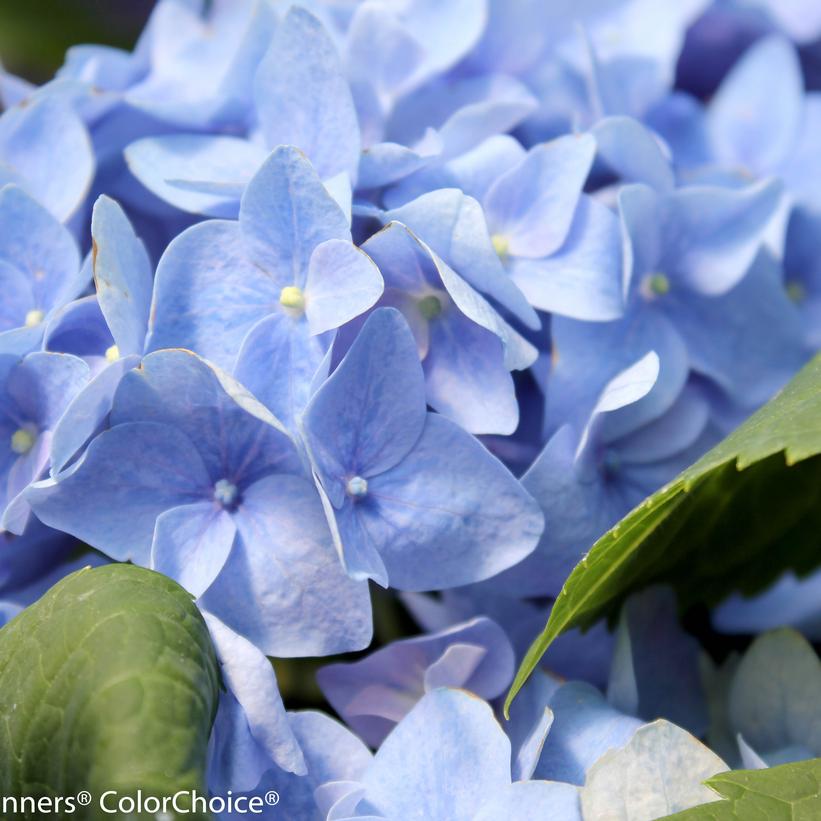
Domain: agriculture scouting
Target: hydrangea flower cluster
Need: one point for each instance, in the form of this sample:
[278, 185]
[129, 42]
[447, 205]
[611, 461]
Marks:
[302, 299]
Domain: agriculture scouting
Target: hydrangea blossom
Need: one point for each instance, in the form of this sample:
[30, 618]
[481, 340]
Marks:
[442, 291]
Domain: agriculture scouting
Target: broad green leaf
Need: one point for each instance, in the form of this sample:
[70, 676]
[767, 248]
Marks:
[791, 792]
[108, 682]
[735, 520]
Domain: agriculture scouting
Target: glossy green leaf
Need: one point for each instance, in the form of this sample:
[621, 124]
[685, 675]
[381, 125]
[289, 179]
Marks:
[791, 792]
[735, 520]
[108, 682]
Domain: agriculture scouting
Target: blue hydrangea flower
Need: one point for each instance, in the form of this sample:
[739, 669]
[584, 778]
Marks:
[46, 150]
[372, 695]
[377, 455]
[108, 329]
[202, 483]
[559, 247]
[466, 347]
[40, 269]
[587, 481]
[301, 98]
[697, 292]
[265, 289]
[34, 392]
[449, 758]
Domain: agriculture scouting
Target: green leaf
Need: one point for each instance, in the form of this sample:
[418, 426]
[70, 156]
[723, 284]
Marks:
[735, 520]
[791, 792]
[108, 682]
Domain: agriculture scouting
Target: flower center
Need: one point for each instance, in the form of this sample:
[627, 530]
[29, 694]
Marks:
[655, 285]
[23, 440]
[226, 493]
[112, 354]
[501, 245]
[357, 487]
[34, 317]
[430, 306]
[796, 291]
[292, 299]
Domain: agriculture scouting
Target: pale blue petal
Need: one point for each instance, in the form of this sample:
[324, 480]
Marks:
[441, 529]
[442, 761]
[284, 214]
[375, 693]
[342, 283]
[208, 294]
[633, 152]
[249, 677]
[148, 468]
[197, 173]
[122, 274]
[191, 544]
[753, 119]
[466, 378]
[283, 587]
[371, 410]
[278, 363]
[715, 233]
[86, 413]
[532, 205]
[303, 98]
[238, 439]
[583, 279]
[530, 800]
[584, 727]
[454, 226]
[48, 151]
[33, 241]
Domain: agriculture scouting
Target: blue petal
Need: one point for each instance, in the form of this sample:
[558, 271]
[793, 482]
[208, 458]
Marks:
[176, 168]
[238, 439]
[278, 363]
[453, 225]
[585, 727]
[419, 771]
[532, 205]
[122, 273]
[284, 214]
[341, 284]
[755, 116]
[583, 279]
[528, 800]
[148, 468]
[440, 529]
[283, 587]
[86, 413]
[208, 294]
[47, 149]
[303, 98]
[249, 677]
[656, 666]
[191, 544]
[375, 693]
[34, 242]
[466, 378]
[633, 152]
[371, 410]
